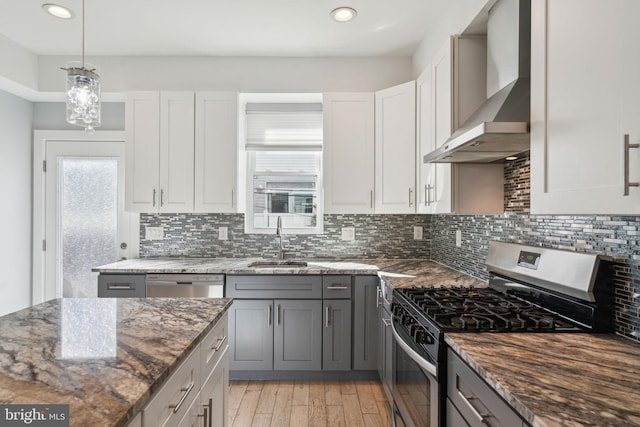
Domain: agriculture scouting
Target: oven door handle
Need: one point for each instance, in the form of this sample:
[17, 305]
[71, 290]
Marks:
[426, 366]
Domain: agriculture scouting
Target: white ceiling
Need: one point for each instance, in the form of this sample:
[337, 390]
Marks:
[222, 27]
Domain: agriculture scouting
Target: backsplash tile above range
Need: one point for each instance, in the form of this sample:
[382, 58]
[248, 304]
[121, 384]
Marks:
[196, 235]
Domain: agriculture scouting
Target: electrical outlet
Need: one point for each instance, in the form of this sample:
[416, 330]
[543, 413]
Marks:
[154, 233]
[222, 233]
[417, 232]
[458, 238]
[349, 233]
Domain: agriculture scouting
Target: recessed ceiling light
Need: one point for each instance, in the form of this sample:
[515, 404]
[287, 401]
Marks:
[511, 158]
[343, 14]
[58, 11]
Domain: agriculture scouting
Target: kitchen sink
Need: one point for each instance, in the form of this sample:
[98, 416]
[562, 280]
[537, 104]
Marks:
[277, 264]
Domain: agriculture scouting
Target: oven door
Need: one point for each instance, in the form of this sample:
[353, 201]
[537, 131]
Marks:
[415, 386]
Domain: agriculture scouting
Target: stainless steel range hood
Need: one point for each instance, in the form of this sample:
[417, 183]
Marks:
[500, 126]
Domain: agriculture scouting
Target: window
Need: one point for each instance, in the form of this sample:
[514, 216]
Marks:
[283, 143]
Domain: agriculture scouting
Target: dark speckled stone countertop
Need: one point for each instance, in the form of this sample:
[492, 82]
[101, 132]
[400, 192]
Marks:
[559, 379]
[397, 272]
[102, 356]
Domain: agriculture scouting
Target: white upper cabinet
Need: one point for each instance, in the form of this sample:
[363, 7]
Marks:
[585, 96]
[216, 152]
[434, 111]
[395, 149]
[182, 152]
[176, 151]
[159, 153]
[142, 161]
[348, 152]
[450, 89]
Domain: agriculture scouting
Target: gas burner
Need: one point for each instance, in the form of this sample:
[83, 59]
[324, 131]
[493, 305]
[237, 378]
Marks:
[482, 309]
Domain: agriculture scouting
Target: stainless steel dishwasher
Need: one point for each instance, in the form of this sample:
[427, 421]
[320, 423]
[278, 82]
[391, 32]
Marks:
[185, 285]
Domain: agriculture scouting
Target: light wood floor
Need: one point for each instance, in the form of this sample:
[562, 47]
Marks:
[308, 403]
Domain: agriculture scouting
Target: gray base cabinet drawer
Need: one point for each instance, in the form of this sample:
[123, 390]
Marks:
[336, 287]
[476, 402]
[274, 286]
[112, 285]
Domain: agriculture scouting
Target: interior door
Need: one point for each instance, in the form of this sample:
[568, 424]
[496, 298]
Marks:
[84, 220]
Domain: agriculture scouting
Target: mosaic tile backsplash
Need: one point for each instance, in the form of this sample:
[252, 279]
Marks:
[391, 236]
[196, 235]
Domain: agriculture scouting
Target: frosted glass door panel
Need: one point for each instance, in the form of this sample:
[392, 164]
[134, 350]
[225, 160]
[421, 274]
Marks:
[88, 202]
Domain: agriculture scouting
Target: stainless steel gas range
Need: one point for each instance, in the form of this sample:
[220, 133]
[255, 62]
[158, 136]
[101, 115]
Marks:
[531, 290]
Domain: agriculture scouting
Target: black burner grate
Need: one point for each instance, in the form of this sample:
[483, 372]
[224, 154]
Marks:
[482, 309]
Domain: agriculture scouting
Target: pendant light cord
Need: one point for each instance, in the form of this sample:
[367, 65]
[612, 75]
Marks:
[83, 34]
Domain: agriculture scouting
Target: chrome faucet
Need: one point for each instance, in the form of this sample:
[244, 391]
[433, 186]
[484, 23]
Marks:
[281, 249]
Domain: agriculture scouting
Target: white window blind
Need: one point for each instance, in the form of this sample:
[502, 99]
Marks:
[284, 126]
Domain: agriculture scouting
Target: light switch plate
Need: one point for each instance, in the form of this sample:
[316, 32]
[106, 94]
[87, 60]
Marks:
[417, 232]
[154, 233]
[349, 233]
[223, 233]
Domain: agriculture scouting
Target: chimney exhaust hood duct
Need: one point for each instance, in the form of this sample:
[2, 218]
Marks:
[500, 126]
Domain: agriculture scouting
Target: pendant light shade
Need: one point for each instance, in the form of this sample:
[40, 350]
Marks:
[83, 96]
[83, 92]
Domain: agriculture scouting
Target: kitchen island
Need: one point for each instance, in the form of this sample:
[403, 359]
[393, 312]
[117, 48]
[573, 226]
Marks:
[105, 358]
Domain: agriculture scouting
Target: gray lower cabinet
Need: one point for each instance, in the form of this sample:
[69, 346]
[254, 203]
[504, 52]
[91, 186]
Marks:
[336, 335]
[251, 335]
[297, 335]
[275, 322]
[365, 322]
[275, 334]
[471, 401]
[385, 350]
[117, 285]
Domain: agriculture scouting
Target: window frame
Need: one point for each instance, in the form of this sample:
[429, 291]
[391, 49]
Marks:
[248, 172]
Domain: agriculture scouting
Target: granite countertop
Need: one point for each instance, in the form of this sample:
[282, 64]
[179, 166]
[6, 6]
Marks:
[397, 272]
[559, 379]
[102, 356]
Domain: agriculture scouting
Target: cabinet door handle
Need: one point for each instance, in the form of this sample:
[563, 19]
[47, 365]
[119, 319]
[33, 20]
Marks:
[219, 343]
[232, 197]
[410, 198]
[378, 295]
[278, 315]
[467, 399]
[161, 197]
[327, 312]
[337, 287]
[371, 197]
[628, 146]
[269, 314]
[426, 195]
[186, 392]
[387, 322]
[210, 405]
[154, 197]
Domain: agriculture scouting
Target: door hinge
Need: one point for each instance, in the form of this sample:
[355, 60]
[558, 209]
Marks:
[44, 245]
[44, 166]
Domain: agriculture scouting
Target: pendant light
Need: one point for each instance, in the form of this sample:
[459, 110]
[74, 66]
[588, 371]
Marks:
[83, 91]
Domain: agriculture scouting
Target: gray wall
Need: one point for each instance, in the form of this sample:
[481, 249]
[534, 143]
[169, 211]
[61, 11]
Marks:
[15, 193]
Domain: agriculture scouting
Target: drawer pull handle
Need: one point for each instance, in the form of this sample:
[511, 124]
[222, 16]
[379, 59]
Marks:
[186, 391]
[219, 343]
[119, 287]
[337, 287]
[378, 295]
[467, 400]
[627, 147]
